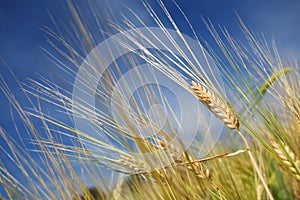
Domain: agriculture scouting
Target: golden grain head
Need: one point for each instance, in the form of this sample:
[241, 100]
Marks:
[220, 108]
[288, 158]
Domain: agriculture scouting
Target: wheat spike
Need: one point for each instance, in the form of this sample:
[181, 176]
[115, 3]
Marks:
[288, 158]
[221, 109]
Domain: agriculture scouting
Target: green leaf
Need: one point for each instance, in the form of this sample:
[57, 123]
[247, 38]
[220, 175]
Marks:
[265, 86]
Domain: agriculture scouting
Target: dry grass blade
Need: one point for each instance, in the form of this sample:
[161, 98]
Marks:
[221, 109]
[288, 158]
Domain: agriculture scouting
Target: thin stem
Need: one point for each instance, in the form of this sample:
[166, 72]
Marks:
[256, 167]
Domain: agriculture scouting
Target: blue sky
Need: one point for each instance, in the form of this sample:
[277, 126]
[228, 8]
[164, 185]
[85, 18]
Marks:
[21, 37]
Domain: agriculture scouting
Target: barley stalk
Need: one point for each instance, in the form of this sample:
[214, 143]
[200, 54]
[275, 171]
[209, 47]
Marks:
[221, 109]
[288, 158]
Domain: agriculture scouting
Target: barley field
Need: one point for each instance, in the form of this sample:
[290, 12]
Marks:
[152, 110]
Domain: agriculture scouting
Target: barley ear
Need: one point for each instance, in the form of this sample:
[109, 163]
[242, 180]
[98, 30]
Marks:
[220, 108]
[288, 158]
[133, 164]
[296, 189]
